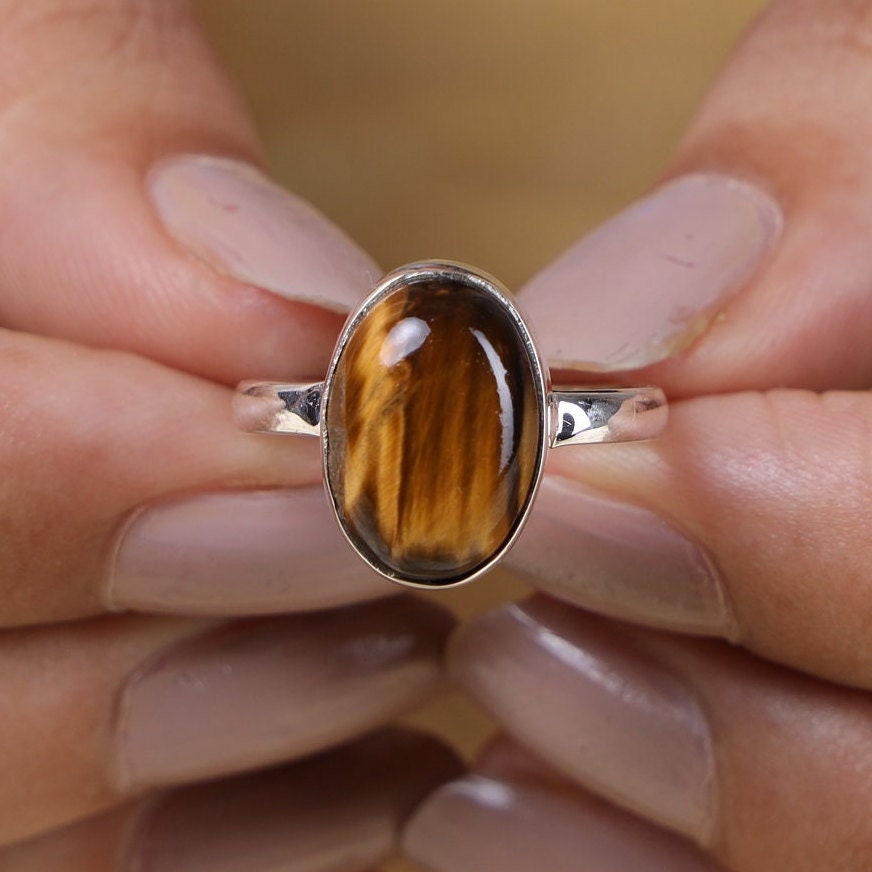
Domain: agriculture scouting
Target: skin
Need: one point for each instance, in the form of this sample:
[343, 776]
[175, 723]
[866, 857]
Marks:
[97, 298]
[766, 464]
[91, 100]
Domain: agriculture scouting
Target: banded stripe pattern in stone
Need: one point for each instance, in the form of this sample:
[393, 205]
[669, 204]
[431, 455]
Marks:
[434, 430]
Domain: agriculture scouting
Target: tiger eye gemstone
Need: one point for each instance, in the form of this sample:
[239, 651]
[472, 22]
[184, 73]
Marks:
[433, 431]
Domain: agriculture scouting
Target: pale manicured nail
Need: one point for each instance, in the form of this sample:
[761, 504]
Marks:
[564, 685]
[233, 217]
[259, 692]
[619, 560]
[647, 283]
[233, 553]
[338, 811]
[503, 758]
[482, 823]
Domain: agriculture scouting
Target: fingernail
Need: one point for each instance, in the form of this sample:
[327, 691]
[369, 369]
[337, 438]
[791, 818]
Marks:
[651, 280]
[505, 759]
[480, 823]
[619, 560]
[229, 214]
[602, 714]
[338, 811]
[233, 553]
[258, 692]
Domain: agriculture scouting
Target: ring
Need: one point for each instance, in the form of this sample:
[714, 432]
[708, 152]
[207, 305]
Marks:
[434, 419]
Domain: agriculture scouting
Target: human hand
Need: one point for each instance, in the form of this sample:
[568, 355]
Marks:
[748, 521]
[145, 265]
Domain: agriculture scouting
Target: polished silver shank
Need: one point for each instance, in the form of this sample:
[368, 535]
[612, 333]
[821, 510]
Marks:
[275, 407]
[577, 416]
[591, 415]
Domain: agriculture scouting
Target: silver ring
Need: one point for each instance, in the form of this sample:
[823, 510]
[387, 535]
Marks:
[434, 419]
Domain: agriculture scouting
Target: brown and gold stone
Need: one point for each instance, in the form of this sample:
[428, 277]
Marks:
[434, 431]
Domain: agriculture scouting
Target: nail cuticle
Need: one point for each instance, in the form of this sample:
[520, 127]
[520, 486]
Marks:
[107, 586]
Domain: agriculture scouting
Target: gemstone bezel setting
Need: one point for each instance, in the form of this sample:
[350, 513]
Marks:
[447, 272]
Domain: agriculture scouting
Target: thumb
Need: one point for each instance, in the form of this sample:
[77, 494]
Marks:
[132, 211]
[749, 267]
[748, 270]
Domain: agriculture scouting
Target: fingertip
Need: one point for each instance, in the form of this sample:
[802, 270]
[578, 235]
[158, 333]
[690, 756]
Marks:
[228, 213]
[480, 822]
[650, 282]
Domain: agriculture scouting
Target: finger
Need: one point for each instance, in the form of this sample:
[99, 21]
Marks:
[133, 213]
[768, 769]
[96, 712]
[514, 815]
[121, 489]
[749, 268]
[748, 519]
[342, 807]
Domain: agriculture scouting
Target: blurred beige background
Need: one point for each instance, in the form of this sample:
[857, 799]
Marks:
[487, 131]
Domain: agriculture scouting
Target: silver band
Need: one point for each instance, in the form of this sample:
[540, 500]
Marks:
[577, 416]
[276, 407]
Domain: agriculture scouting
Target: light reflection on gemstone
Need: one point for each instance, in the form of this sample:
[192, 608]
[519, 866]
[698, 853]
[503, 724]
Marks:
[507, 411]
[403, 339]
